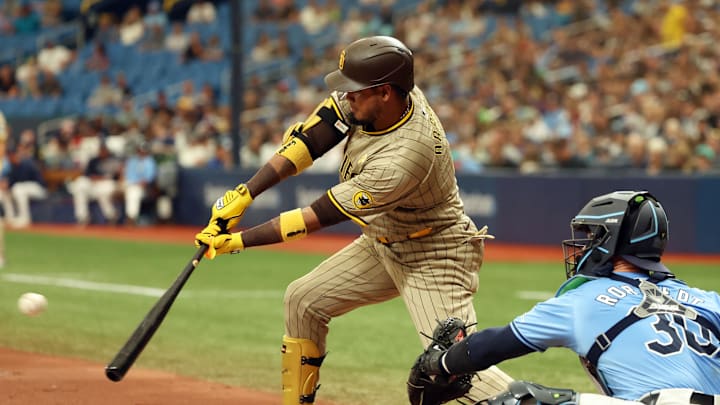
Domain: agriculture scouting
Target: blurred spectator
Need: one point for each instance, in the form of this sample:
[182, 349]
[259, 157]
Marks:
[177, 40]
[26, 69]
[122, 84]
[494, 153]
[314, 17]
[264, 48]
[131, 28]
[656, 156]
[195, 49]
[139, 177]
[188, 99]
[704, 160]
[51, 13]
[106, 30]
[154, 39]
[674, 24]
[155, 22]
[6, 27]
[679, 158]
[334, 11]
[31, 88]
[106, 94]
[27, 20]
[221, 160]
[264, 11]
[49, 85]
[98, 59]
[155, 17]
[285, 10]
[24, 182]
[99, 182]
[635, 152]
[8, 84]
[214, 50]
[56, 153]
[162, 106]
[28, 142]
[251, 156]
[563, 155]
[207, 96]
[201, 12]
[54, 57]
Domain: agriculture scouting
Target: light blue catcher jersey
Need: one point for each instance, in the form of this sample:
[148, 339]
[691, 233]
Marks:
[660, 351]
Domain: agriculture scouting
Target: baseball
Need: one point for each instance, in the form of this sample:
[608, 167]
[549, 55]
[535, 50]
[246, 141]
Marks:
[32, 304]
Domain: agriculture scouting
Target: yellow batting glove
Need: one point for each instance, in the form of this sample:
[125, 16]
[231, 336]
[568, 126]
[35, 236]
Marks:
[220, 244]
[228, 210]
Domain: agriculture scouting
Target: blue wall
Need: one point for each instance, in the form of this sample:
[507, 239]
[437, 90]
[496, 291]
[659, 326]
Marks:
[518, 209]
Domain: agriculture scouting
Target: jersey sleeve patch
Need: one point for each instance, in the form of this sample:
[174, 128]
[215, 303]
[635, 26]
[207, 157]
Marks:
[340, 208]
[363, 199]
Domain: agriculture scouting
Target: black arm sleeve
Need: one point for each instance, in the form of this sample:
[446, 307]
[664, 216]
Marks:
[483, 349]
[327, 212]
[320, 138]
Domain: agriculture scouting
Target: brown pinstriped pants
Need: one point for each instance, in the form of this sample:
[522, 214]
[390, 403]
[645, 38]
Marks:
[436, 276]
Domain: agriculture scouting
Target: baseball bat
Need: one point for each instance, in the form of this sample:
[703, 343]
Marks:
[124, 359]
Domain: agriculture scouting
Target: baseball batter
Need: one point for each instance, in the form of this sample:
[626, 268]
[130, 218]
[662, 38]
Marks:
[397, 182]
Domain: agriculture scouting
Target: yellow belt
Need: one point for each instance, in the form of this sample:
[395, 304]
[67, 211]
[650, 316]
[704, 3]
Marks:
[419, 234]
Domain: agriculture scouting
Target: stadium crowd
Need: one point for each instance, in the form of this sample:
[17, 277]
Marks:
[526, 87]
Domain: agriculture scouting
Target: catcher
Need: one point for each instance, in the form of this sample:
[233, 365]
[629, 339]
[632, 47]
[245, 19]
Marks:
[397, 182]
[643, 336]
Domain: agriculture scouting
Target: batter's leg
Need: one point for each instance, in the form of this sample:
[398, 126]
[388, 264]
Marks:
[301, 361]
[437, 279]
[351, 278]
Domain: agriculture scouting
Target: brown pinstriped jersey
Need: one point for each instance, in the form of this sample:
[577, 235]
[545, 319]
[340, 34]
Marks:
[401, 180]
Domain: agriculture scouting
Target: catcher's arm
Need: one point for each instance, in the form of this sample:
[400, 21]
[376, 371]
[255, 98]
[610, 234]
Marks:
[488, 347]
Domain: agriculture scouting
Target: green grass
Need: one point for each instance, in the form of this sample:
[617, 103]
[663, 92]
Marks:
[227, 323]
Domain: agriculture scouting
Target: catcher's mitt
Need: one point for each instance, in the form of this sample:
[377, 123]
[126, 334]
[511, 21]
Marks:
[428, 383]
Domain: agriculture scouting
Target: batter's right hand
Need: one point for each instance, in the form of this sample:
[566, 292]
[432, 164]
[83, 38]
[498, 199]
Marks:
[228, 210]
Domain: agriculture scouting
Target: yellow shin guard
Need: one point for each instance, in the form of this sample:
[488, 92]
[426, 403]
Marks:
[301, 362]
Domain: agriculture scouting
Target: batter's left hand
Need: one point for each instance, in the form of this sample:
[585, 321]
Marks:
[220, 244]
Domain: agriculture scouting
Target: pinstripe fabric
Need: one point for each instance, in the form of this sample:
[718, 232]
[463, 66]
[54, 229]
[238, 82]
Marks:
[393, 184]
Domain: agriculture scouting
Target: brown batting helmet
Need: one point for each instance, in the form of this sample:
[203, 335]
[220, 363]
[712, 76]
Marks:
[373, 61]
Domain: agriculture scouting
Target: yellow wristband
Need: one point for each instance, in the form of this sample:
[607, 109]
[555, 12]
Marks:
[297, 152]
[292, 225]
[236, 243]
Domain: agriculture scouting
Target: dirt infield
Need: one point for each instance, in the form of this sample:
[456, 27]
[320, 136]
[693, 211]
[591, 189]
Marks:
[28, 378]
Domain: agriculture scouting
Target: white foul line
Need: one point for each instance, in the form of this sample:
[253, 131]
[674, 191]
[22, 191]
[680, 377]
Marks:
[84, 285]
[134, 289]
[534, 295]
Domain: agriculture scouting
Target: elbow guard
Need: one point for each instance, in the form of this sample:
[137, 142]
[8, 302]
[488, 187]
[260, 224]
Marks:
[304, 142]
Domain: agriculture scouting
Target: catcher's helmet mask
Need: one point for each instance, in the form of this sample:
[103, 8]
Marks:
[629, 224]
[371, 62]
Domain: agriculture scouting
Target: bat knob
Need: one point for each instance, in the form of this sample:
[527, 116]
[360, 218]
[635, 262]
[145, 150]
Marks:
[113, 374]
